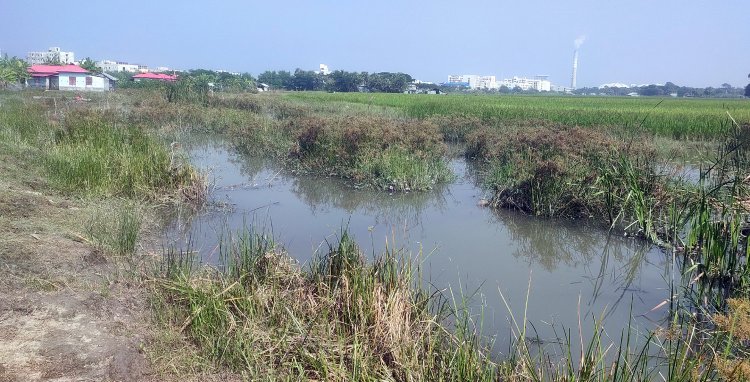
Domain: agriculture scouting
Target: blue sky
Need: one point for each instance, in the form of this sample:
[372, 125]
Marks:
[695, 43]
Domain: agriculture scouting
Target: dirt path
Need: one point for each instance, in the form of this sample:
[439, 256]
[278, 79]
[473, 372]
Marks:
[65, 315]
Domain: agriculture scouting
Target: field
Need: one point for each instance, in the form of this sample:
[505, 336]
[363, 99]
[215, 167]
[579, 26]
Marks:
[261, 315]
[675, 118]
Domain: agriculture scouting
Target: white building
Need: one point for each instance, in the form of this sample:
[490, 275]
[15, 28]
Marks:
[538, 83]
[119, 66]
[67, 77]
[474, 81]
[324, 70]
[51, 55]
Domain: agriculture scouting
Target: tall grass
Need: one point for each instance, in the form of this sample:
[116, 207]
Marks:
[89, 152]
[116, 230]
[338, 319]
[93, 154]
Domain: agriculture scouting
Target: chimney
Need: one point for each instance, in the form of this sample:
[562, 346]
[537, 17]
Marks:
[575, 70]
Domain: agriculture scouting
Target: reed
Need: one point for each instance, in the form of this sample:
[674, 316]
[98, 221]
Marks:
[340, 318]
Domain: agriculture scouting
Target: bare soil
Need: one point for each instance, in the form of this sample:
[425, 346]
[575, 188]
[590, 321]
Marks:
[65, 314]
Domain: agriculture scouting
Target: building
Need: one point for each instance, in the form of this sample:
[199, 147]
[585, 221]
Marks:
[324, 70]
[538, 83]
[474, 81]
[66, 77]
[119, 66]
[53, 54]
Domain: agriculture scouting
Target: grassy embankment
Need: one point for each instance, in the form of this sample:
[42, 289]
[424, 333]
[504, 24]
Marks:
[77, 191]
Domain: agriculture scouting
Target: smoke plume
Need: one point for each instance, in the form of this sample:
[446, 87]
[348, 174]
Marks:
[579, 41]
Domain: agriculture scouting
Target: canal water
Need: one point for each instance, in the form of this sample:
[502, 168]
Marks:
[573, 273]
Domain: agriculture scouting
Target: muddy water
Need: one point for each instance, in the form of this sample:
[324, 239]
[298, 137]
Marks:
[573, 270]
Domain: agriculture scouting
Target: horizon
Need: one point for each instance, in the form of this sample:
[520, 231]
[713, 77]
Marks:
[692, 45]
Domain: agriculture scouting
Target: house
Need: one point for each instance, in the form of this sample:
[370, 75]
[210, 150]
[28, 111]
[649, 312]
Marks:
[66, 77]
[111, 81]
[263, 87]
[154, 76]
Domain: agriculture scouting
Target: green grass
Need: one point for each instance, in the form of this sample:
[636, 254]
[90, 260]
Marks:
[676, 118]
[338, 319]
[86, 152]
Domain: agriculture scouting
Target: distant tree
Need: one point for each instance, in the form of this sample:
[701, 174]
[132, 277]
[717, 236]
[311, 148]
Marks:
[747, 90]
[12, 71]
[90, 65]
[387, 82]
[277, 80]
[341, 81]
[670, 88]
[52, 60]
[306, 80]
[651, 90]
[504, 89]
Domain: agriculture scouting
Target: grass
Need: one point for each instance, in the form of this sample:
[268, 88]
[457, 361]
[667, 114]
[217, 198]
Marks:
[116, 231]
[390, 154]
[340, 318]
[86, 152]
[674, 118]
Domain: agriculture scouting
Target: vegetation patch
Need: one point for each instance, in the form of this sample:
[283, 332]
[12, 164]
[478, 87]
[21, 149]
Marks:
[339, 319]
[388, 153]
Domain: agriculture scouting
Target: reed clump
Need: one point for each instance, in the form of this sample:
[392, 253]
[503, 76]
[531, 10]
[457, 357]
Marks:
[568, 172]
[86, 151]
[93, 154]
[261, 313]
[399, 155]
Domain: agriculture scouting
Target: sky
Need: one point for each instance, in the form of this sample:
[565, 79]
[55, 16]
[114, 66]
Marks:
[688, 42]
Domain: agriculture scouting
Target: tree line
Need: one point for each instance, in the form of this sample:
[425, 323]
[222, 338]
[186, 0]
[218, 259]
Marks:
[336, 81]
[670, 89]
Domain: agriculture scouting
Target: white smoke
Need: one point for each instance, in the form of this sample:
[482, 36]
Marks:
[579, 41]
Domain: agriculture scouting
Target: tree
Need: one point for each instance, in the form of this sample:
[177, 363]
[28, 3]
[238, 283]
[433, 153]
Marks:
[341, 81]
[277, 80]
[52, 60]
[90, 65]
[306, 80]
[747, 90]
[12, 71]
[387, 82]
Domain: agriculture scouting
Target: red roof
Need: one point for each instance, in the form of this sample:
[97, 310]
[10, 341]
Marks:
[51, 70]
[155, 76]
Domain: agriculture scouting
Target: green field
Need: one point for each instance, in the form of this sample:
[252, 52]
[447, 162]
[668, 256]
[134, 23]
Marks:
[671, 117]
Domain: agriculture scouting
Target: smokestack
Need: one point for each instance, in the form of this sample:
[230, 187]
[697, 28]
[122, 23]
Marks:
[578, 42]
[575, 70]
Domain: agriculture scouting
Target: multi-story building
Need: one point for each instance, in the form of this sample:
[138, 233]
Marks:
[324, 70]
[119, 66]
[53, 54]
[538, 83]
[474, 81]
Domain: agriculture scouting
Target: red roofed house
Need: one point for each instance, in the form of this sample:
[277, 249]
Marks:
[154, 76]
[66, 77]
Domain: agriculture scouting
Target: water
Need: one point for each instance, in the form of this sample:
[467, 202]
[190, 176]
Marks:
[571, 271]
